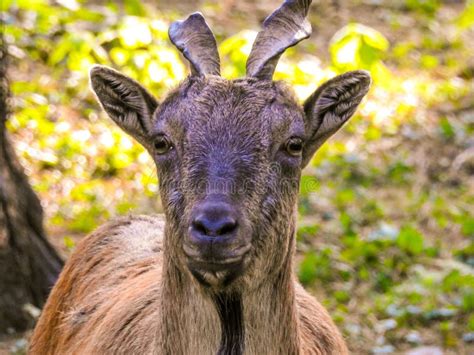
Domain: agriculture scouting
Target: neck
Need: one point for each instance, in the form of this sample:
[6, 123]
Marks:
[196, 320]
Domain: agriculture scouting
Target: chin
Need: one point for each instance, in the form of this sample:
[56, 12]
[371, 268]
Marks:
[218, 275]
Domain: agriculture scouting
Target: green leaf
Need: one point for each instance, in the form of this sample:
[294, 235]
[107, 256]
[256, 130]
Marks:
[468, 227]
[426, 7]
[357, 46]
[466, 19]
[5, 5]
[307, 271]
[308, 184]
[446, 128]
[69, 243]
[316, 266]
[32, 4]
[410, 240]
[134, 8]
[468, 301]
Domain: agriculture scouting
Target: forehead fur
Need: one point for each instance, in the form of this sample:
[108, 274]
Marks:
[264, 89]
[213, 91]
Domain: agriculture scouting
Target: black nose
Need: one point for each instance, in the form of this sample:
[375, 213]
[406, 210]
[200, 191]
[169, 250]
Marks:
[214, 219]
[214, 227]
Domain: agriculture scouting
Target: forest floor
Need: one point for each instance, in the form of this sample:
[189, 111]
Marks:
[386, 237]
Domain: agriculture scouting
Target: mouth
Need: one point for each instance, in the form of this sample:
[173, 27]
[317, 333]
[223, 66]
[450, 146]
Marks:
[217, 273]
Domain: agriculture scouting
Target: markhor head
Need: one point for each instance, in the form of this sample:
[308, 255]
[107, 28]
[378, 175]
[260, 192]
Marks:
[229, 153]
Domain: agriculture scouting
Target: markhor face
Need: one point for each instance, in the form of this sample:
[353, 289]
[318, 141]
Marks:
[229, 156]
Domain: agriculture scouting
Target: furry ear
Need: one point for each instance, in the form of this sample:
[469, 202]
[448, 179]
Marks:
[330, 106]
[128, 104]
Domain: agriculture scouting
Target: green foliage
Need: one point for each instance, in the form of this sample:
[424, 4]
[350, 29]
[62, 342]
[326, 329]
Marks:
[234, 52]
[357, 46]
[468, 226]
[426, 7]
[410, 240]
[387, 231]
[69, 243]
[466, 18]
[315, 266]
[446, 128]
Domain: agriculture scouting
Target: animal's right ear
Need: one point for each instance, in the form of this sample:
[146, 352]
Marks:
[128, 104]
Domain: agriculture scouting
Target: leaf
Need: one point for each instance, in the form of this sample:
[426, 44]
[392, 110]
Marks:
[468, 227]
[307, 271]
[5, 5]
[308, 184]
[466, 19]
[357, 46]
[446, 128]
[410, 240]
[316, 266]
[69, 243]
[426, 7]
[134, 7]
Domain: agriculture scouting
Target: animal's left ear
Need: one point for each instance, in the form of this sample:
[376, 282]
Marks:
[330, 106]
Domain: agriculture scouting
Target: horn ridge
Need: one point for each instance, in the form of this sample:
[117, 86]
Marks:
[195, 40]
[284, 28]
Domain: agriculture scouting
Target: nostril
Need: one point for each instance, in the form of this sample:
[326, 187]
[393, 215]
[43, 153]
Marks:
[227, 228]
[199, 227]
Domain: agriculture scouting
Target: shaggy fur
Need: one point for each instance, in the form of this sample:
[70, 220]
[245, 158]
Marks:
[108, 300]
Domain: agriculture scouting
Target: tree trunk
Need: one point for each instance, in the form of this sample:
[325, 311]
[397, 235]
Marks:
[29, 265]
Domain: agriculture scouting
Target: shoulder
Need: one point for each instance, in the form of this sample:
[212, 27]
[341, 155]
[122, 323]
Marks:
[319, 334]
[124, 234]
[114, 248]
[116, 265]
[127, 227]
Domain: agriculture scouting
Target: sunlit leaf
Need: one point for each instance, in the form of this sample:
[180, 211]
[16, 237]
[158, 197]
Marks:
[5, 4]
[357, 46]
[427, 7]
[466, 19]
[134, 7]
[410, 240]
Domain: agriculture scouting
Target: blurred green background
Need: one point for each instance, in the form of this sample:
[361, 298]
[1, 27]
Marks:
[386, 223]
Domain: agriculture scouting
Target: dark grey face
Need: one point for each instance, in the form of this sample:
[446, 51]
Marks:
[229, 156]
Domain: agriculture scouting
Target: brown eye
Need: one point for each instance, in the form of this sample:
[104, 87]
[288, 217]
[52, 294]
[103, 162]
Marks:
[294, 146]
[162, 145]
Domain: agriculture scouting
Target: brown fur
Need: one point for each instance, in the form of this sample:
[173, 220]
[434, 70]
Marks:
[108, 300]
